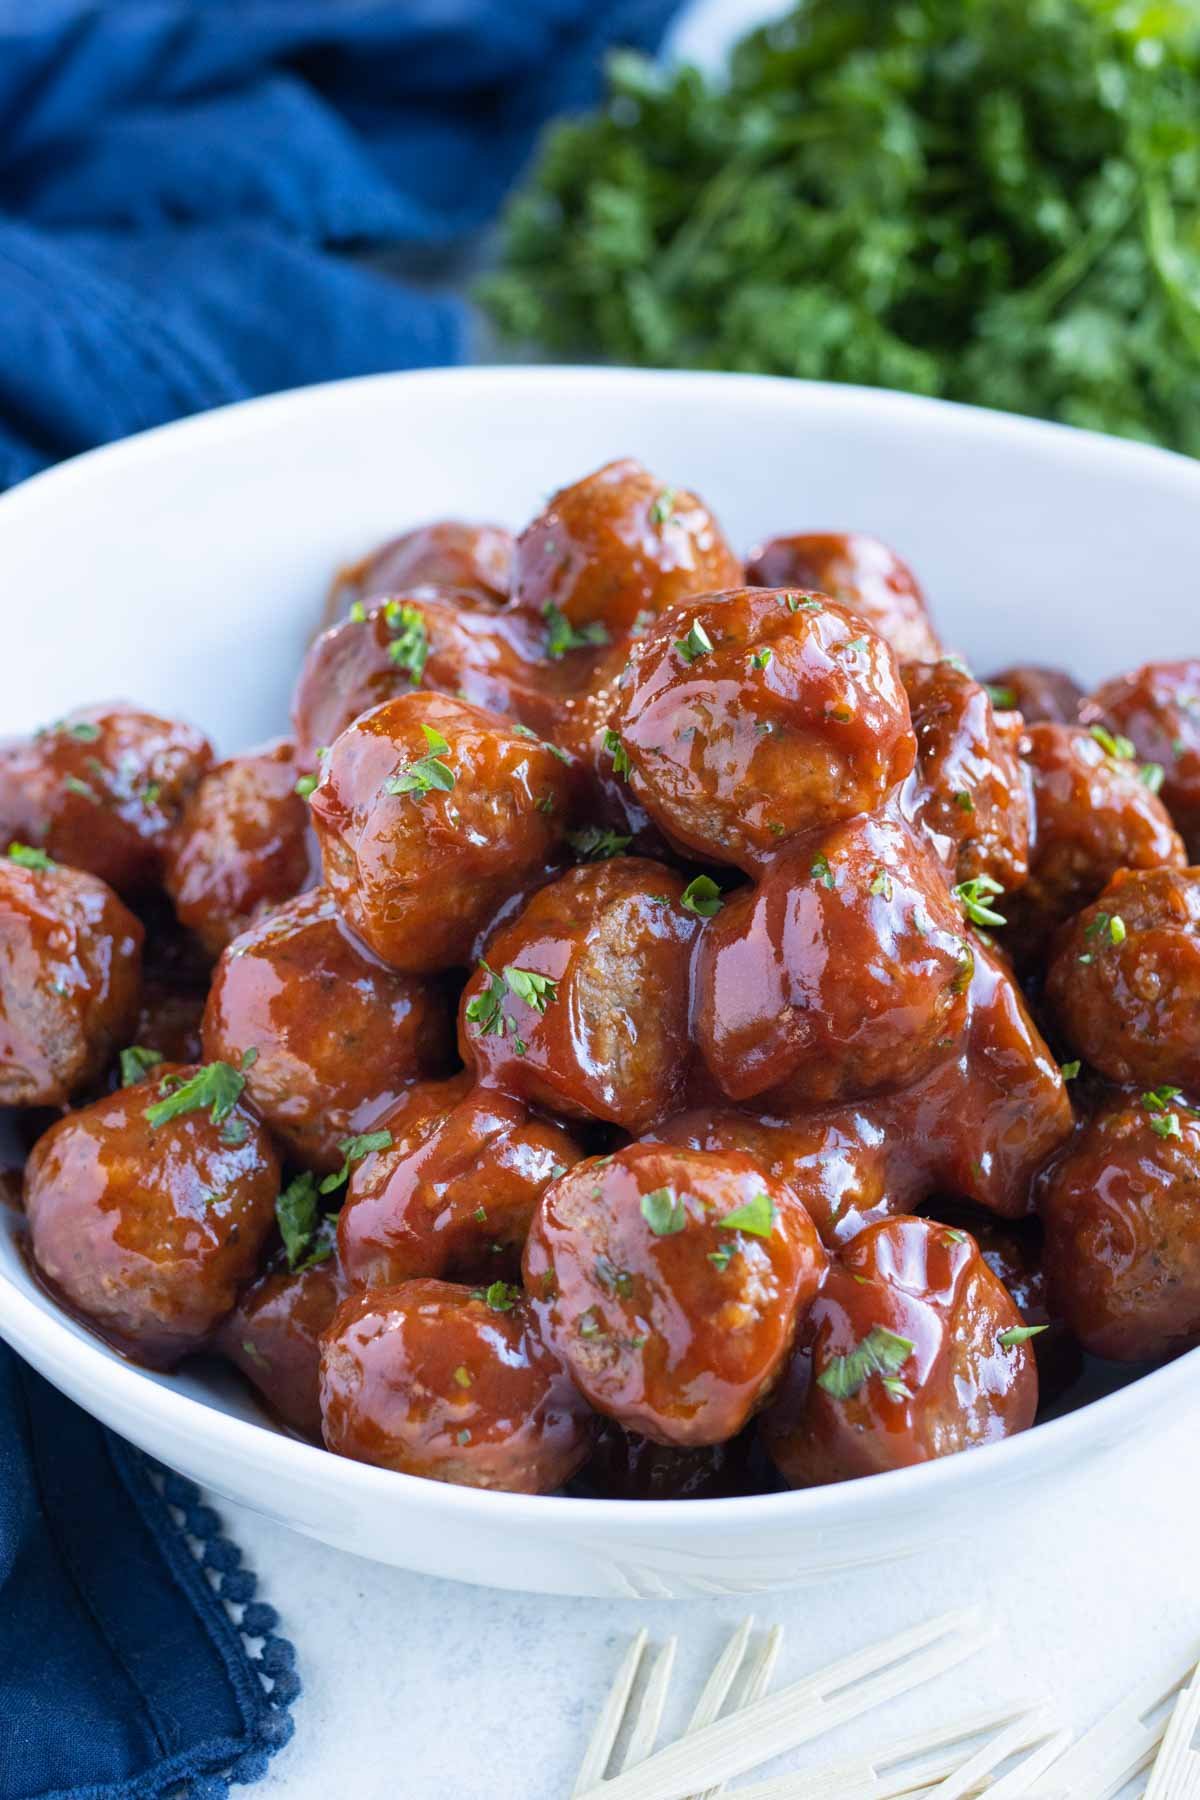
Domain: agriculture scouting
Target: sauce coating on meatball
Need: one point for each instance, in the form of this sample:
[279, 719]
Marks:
[614, 546]
[862, 575]
[914, 1349]
[70, 979]
[148, 1209]
[452, 1383]
[671, 1283]
[273, 1335]
[751, 716]
[338, 1034]
[430, 814]
[1157, 708]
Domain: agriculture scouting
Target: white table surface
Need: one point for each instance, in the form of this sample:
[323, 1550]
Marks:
[416, 1689]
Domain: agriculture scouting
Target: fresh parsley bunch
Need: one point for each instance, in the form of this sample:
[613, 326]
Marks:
[989, 200]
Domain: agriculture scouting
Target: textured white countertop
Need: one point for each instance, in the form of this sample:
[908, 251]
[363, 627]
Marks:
[418, 1689]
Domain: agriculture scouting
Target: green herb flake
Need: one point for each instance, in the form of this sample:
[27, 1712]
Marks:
[1020, 1334]
[136, 1063]
[306, 786]
[761, 659]
[217, 1086]
[618, 752]
[308, 1237]
[501, 1296]
[1116, 929]
[409, 648]
[535, 990]
[721, 1259]
[1152, 775]
[27, 857]
[697, 643]
[662, 507]
[358, 613]
[1119, 748]
[702, 896]
[562, 636]
[663, 1212]
[881, 1352]
[462, 1376]
[74, 785]
[973, 896]
[963, 801]
[1070, 1070]
[427, 773]
[821, 871]
[1004, 699]
[757, 1217]
[594, 843]
[353, 1150]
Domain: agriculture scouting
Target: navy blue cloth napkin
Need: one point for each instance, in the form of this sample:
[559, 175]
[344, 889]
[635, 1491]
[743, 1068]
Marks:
[176, 175]
[188, 192]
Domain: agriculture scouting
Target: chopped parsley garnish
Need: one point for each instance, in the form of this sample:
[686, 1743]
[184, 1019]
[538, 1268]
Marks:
[697, 643]
[663, 1212]
[761, 659]
[1119, 748]
[881, 1352]
[973, 897]
[596, 844]
[409, 648]
[353, 1150]
[306, 786]
[757, 1217]
[217, 1086]
[1164, 1121]
[562, 636]
[662, 507]
[1110, 925]
[618, 752]
[486, 1011]
[73, 785]
[427, 773]
[881, 885]
[462, 1376]
[721, 1259]
[308, 1236]
[26, 857]
[855, 645]
[1020, 1334]
[963, 801]
[617, 1281]
[1116, 929]
[821, 871]
[1003, 698]
[1070, 1070]
[702, 896]
[358, 613]
[1152, 775]
[83, 731]
[137, 1062]
[501, 1296]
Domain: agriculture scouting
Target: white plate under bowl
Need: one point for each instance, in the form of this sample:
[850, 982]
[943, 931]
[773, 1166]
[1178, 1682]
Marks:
[185, 568]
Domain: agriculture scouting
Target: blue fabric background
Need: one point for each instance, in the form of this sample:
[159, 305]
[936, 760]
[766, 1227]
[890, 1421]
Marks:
[175, 175]
[181, 185]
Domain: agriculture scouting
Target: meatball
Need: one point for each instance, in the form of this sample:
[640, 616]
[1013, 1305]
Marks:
[168, 1029]
[753, 715]
[838, 1161]
[843, 973]
[982, 1125]
[1041, 696]
[1158, 709]
[476, 559]
[243, 844]
[148, 1210]
[969, 790]
[101, 789]
[70, 978]
[914, 1349]
[862, 575]
[671, 1283]
[338, 1034]
[616, 545]
[431, 814]
[273, 1335]
[582, 1003]
[451, 1383]
[1093, 816]
[624, 1466]
[424, 638]
[1125, 981]
[1122, 1218]
[453, 1193]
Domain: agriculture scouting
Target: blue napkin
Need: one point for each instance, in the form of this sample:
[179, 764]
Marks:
[176, 175]
[188, 192]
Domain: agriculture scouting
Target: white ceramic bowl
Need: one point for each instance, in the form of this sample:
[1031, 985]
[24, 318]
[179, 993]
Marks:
[185, 568]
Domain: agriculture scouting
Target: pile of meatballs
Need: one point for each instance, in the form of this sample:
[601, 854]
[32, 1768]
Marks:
[658, 1027]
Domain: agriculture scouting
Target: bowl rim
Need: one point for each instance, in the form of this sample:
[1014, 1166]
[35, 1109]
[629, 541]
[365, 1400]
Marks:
[54, 1342]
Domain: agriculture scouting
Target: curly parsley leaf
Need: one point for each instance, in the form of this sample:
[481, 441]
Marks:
[216, 1087]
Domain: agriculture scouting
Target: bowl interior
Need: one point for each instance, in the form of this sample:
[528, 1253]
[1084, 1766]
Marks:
[185, 569]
